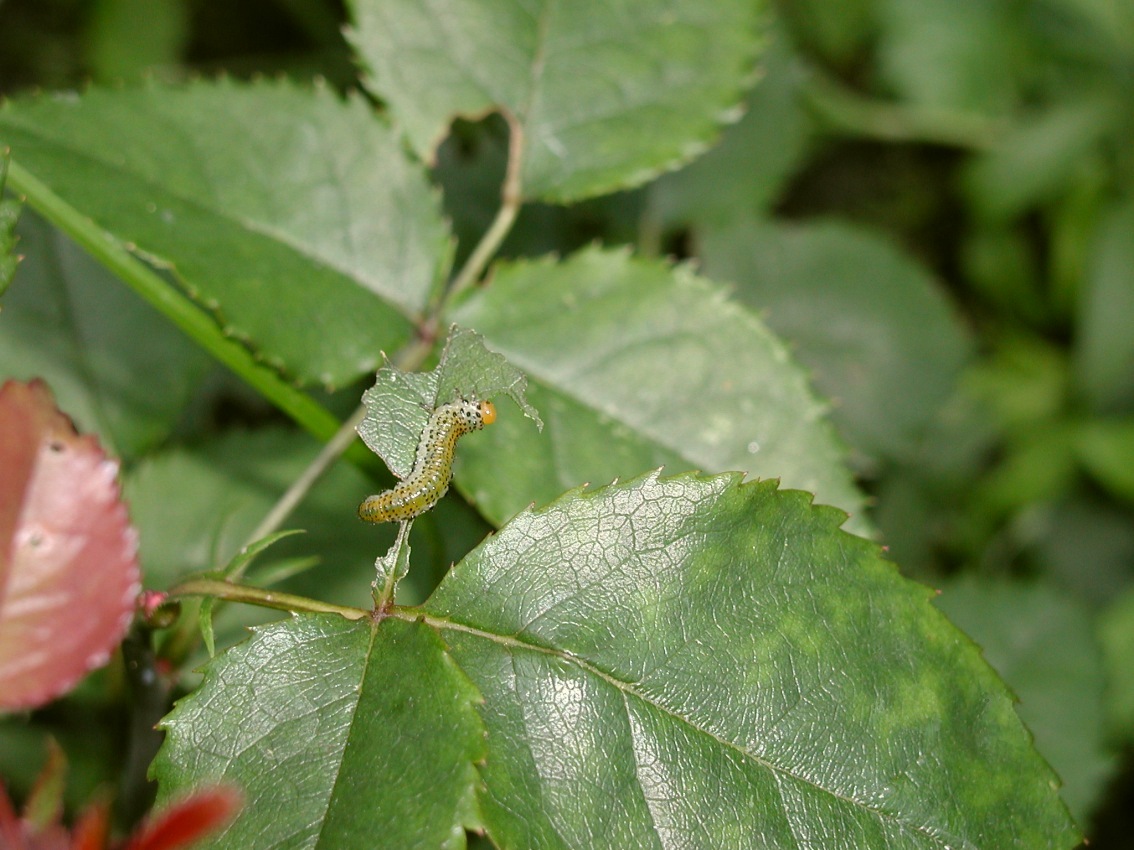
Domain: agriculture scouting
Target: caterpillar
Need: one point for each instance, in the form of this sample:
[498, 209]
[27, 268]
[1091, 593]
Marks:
[433, 464]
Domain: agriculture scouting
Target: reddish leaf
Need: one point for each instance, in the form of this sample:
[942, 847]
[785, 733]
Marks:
[188, 820]
[90, 832]
[68, 554]
[177, 827]
[10, 830]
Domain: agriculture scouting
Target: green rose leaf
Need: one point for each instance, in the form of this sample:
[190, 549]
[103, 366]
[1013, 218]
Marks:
[685, 660]
[1041, 641]
[332, 744]
[634, 364]
[874, 327]
[294, 214]
[602, 96]
[690, 662]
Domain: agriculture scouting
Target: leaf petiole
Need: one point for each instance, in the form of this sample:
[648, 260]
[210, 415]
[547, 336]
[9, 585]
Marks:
[262, 597]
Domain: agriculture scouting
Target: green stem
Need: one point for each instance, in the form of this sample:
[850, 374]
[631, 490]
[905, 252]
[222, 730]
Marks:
[412, 356]
[194, 322]
[408, 358]
[264, 598]
[339, 443]
[845, 110]
[511, 199]
[384, 597]
[339, 438]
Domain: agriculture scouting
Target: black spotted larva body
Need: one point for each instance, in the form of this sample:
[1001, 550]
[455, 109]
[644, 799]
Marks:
[433, 464]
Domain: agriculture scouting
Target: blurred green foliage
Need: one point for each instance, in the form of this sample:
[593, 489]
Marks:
[976, 154]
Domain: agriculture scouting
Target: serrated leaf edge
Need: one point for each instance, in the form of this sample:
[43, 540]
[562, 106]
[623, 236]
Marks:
[824, 515]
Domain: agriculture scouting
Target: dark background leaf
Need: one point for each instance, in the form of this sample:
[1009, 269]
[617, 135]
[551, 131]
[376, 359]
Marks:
[881, 340]
[66, 322]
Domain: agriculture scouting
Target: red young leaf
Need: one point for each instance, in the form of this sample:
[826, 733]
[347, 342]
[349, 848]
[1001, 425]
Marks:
[10, 830]
[21, 834]
[177, 827]
[68, 554]
[186, 821]
[91, 830]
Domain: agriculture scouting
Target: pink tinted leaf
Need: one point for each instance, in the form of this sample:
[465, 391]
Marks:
[68, 554]
[186, 821]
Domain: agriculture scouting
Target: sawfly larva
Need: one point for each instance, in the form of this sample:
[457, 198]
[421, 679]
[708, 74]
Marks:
[433, 464]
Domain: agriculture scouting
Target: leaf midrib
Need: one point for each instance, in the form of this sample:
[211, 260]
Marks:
[628, 690]
[232, 222]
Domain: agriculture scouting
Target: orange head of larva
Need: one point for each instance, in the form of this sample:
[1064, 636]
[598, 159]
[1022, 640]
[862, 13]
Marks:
[487, 412]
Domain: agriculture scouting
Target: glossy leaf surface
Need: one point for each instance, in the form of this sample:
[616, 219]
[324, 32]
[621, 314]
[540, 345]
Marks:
[333, 744]
[662, 663]
[685, 662]
[634, 364]
[294, 214]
